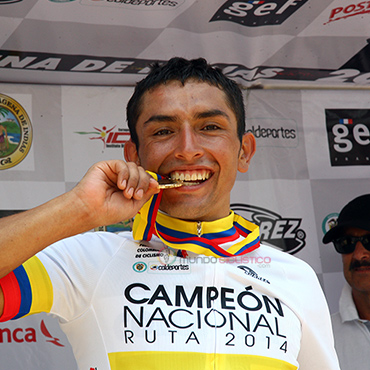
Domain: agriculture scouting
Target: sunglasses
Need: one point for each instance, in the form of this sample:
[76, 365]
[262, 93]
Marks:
[347, 244]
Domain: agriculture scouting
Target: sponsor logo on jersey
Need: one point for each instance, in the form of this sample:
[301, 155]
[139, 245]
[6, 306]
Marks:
[15, 132]
[279, 232]
[248, 271]
[164, 256]
[110, 137]
[253, 13]
[155, 268]
[140, 266]
[349, 10]
[348, 133]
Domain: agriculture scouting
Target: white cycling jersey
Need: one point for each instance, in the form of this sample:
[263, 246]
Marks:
[125, 304]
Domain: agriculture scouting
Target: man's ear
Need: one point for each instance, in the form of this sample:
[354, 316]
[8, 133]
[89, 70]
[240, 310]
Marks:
[130, 152]
[247, 150]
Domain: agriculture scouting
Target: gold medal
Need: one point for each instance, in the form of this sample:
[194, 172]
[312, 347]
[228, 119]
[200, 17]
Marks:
[169, 184]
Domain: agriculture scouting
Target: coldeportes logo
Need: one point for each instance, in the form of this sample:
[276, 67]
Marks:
[281, 233]
[274, 132]
[15, 132]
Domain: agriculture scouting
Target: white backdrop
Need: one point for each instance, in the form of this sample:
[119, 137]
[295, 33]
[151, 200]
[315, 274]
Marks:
[293, 189]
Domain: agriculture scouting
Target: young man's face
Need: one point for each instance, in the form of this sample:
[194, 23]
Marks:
[190, 131]
[356, 265]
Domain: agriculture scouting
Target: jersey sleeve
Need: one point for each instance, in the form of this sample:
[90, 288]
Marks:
[27, 290]
[61, 279]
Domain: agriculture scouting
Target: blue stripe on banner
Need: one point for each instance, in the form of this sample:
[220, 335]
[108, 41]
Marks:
[181, 235]
[26, 292]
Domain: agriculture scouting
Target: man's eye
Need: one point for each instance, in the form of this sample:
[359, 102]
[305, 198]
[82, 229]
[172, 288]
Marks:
[211, 127]
[162, 132]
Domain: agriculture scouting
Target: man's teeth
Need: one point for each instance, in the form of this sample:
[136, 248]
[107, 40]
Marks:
[190, 176]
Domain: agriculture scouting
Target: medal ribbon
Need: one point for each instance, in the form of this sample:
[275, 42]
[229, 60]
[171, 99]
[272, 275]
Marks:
[183, 235]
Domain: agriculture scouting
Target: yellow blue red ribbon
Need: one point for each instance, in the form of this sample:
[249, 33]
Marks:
[184, 235]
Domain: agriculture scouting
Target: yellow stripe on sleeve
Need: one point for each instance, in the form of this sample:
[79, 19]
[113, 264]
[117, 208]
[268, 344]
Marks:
[41, 287]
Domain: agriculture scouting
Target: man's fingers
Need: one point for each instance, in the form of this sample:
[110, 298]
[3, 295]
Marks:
[134, 181]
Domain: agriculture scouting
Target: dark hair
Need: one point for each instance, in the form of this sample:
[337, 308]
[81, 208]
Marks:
[181, 69]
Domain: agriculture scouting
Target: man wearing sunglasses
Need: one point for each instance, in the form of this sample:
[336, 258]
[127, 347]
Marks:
[351, 325]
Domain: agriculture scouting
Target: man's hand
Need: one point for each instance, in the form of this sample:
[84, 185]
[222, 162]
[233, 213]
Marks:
[113, 191]
[110, 192]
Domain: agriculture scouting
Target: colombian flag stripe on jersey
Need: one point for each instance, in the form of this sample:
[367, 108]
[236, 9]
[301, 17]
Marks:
[193, 360]
[12, 296]
[41, 287]
[27, 290]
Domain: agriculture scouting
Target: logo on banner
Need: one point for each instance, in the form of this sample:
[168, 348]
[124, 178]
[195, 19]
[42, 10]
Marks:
[348, 136]
[254, 13]
[109, 137]
[274, 132]
[136, 4]
[27, 335]
[279, 232]
[329, 222]
[15, 132]
[350, 10]
[47, 334]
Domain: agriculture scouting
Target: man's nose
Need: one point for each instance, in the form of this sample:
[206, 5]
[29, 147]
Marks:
[189, 144]
[360, 252]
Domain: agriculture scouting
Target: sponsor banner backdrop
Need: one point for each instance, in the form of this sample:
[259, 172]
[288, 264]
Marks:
[311, 159]
[342, 144]
[106, 42]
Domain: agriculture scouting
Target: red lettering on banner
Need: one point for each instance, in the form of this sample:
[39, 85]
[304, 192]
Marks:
[125, 136]
[350, 10]
[18, 335]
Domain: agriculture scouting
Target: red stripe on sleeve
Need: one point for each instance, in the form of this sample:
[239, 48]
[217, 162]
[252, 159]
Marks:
[12, 296]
